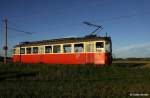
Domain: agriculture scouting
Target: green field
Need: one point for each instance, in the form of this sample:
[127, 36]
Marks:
[74, 81]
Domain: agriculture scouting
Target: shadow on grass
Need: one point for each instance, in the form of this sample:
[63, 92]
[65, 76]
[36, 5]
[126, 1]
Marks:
[16, 75]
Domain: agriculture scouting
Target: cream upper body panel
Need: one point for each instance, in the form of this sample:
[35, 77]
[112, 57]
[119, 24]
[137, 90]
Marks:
[82, 47]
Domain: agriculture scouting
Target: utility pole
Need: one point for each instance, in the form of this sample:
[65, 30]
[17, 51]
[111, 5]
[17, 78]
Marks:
[5, 48]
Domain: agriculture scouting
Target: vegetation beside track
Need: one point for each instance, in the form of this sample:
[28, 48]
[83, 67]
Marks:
[74, 81]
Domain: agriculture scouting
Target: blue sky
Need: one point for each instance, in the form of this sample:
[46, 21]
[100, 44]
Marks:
[126, 21]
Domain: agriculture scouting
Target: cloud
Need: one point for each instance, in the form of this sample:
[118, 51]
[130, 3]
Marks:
[136, 50]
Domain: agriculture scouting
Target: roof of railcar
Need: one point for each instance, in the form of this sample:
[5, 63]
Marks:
[63, 40]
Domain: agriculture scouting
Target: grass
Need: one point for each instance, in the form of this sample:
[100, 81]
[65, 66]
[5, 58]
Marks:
[74, 81]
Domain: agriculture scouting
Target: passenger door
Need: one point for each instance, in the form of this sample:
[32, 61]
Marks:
[90, 52]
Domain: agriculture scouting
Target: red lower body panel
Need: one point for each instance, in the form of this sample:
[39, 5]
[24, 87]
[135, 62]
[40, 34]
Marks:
[72, 58]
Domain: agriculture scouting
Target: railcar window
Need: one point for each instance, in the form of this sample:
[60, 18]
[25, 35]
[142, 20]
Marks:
[48, 49]
[108, 47]
[78, 48]
[35, 49]
[22, 50]
[28, 50]
[99, 45]
[56, 49]
[67, 48]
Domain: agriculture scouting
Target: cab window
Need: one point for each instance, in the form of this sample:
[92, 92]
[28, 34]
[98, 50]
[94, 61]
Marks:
[99, 46]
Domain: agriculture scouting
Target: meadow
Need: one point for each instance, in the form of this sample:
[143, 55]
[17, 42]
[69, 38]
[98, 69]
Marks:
[119, 80]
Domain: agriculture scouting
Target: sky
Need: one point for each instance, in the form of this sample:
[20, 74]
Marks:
[126, 21]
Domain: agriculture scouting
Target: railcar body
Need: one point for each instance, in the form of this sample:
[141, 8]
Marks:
[85, 50]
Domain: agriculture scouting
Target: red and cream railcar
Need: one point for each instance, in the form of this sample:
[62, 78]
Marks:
[94, 50]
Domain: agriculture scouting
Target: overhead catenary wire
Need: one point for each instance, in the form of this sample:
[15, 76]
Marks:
[15, 29]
